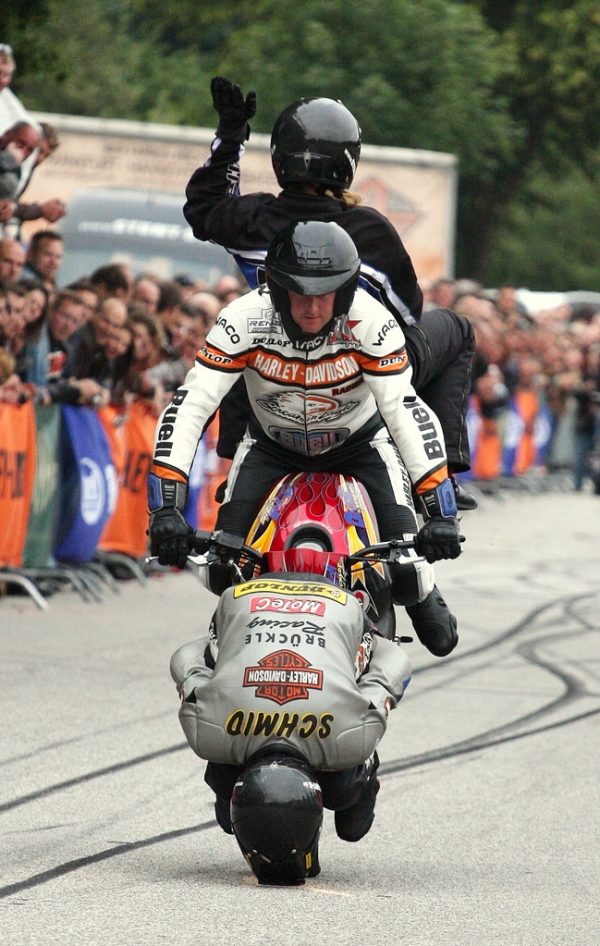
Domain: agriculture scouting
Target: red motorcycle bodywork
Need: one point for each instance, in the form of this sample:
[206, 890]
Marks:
[311, 522]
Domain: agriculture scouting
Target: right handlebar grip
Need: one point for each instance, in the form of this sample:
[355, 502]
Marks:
[200, 540]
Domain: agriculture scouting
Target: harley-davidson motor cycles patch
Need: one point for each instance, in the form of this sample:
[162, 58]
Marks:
[283, 676]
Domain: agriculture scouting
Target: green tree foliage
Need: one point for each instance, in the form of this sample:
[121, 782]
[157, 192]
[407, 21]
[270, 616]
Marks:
[97, 59]
[23, 27]
[550, 84]
[508, 86]
[189, 25]
[89, 66]
[417, 73]
[550, 240]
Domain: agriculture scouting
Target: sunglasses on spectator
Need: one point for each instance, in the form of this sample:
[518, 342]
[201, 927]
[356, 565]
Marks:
[6, 307]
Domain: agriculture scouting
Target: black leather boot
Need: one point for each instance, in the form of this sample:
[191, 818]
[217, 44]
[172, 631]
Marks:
[222, 814]
[464, 500]
[434, 625]
[351, 824]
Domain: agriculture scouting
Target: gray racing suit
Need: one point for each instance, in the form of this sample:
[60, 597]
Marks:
[293, 661]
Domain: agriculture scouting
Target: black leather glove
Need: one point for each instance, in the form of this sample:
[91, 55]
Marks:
[233, 109]
[438, 538]
[170, 537]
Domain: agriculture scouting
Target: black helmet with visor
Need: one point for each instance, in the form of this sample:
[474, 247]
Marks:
[276, 815]
[312, 258]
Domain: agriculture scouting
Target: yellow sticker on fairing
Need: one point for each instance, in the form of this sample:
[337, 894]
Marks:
[290, 588]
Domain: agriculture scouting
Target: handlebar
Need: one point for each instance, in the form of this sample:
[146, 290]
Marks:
[227, 546]
[386, 552]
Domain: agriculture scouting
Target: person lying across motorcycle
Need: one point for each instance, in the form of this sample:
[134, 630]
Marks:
[315, 149]
[330, 387]
[291, 675]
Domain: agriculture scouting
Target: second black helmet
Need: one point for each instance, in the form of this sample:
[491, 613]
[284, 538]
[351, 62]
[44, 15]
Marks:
[316, 141]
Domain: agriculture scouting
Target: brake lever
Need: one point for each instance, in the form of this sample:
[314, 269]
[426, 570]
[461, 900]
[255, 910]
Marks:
[226, 547]
[384, 552]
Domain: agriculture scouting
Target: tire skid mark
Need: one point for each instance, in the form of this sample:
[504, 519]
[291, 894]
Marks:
[476, 744]
[35, 753]
[53, 873]
[90, 776]
[526, 622]
[571, 609]
[574, 691]
[522, 625]
[386, 770]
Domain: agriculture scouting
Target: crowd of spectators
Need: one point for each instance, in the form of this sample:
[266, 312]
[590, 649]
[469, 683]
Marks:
[114, 335]
[554, 352]
[108, 338]
[24, 146]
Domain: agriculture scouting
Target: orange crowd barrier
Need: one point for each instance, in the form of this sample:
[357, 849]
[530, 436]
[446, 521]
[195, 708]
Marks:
[487, 449]
[528, 406]
[133, 436]
[17, 471]
[510, 444]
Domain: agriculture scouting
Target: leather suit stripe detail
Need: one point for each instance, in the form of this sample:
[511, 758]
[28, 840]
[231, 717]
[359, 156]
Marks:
[396, 363]
[218, 360]
[240, 455]
[432, 479]
[320, 373]
[388, 453]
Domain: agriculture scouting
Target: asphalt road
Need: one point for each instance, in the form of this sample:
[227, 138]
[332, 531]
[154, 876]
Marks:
[487, 828]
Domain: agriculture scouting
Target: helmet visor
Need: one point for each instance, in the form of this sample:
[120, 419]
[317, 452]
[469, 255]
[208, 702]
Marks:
[313, 284]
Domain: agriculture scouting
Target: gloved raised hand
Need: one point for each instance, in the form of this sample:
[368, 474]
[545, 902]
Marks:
[233, 109]
[439, 537]
[169, 533]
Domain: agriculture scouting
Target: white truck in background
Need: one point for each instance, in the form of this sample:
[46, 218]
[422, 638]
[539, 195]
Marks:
[124, 184]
